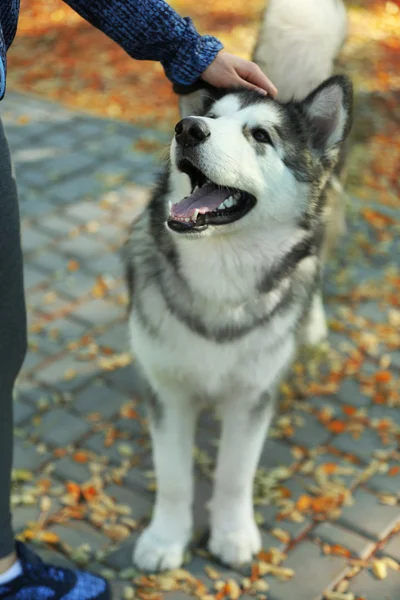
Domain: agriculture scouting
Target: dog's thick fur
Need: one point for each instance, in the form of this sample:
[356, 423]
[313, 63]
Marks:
[216, 315]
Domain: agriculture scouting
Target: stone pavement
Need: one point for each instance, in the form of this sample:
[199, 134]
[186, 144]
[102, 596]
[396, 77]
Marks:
[328, 490]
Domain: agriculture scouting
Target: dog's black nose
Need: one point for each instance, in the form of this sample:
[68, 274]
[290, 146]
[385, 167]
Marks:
[191, 131]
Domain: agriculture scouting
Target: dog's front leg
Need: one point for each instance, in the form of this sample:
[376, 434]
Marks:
[234, 534]
[162, 544]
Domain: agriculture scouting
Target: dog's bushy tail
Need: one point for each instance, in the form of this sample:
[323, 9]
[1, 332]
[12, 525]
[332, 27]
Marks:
[298, 42]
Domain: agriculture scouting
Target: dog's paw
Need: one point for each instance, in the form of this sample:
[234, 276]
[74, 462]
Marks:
[155, 553]
[236, 548]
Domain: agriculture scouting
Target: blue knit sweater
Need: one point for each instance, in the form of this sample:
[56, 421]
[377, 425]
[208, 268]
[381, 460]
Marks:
[145, 29]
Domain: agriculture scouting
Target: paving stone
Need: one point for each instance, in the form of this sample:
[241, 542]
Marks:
[392, 547]
[47, 301]
[99, 399]
[98, 312]
[53, 558]
[88, 127]
[74, 189]
[109, 264]
[35, 208]
[332, 403]
[22, 515]
[68, 165]
[69, 470]
[82, 247]
[57, 223]
[177, 596]
[366, 586]
[276, 454]
[141, 504]
[32, 360]
[358, 545]
[384, 412]
[314, 573]
[121, 558]
[197, 568]
[372, 312]
[50, 261]
[362, 447]
[27, 457]
[136, 477]
[269, 513]
[67, 373]
[368, 517]
[327, 457]
[78, 533]
[350, 393]
[33, 277]
[60, 428]
[126, 379]
[117, 337]
[83, 212]
[75, 285]
[133, 427]
[32, 239]
[388, 482]
[395, 359]
[312, 434]
[95, 443]
[22, 411]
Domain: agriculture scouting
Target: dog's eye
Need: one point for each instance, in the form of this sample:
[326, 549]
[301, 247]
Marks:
[212, 116]
[260, 135]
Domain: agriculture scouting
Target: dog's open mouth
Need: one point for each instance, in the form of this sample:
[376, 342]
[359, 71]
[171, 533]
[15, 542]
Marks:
[208, 204]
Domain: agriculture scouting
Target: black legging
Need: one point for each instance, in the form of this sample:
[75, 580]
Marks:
[12, 331]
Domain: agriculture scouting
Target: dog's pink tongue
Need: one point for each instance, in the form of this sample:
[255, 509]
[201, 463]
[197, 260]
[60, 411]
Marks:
[204, 199]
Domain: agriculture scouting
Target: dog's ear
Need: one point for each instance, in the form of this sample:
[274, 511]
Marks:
[195, 99]
[328, 109]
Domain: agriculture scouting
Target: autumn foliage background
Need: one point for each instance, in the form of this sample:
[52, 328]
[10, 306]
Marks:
[58, 56]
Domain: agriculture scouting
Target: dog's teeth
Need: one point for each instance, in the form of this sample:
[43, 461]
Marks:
[194, 215]
[187, 219]
[229, 202]
[170, 206]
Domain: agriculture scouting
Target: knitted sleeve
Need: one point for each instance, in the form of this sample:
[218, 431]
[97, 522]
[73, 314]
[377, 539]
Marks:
[152, 30]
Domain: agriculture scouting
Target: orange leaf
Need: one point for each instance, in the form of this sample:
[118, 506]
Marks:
[383, 376]
[255, 572]
[48, 537]
[264, 556]
[73, 266]
[340, 550]
[329, 468]
[73, 489]
[89, 492]
[81, 457]
[394, 471]
[304, 502]
[349, 410]
[323, 504]
[336, 426]
[59, 452]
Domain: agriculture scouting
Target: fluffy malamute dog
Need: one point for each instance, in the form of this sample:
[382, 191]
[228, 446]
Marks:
[223, 268]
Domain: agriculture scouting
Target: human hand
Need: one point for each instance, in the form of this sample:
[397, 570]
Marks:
[228, 70]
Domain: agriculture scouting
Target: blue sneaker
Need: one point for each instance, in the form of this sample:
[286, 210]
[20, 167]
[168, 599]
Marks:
[40, 581]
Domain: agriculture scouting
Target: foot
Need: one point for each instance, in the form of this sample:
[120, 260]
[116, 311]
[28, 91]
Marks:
[237, 547]
[40, 581]
[156, 552]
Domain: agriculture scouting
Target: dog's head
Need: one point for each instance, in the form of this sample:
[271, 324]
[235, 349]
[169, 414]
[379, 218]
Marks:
[243, 160]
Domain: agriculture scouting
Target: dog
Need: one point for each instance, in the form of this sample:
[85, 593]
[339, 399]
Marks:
[223, 268]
